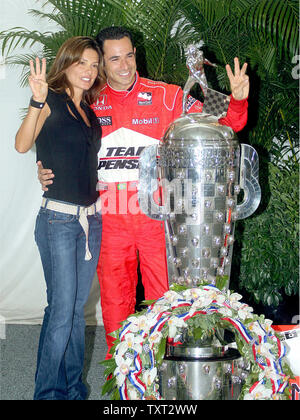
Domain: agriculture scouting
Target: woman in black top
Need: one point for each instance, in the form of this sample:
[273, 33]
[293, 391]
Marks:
[67, 135]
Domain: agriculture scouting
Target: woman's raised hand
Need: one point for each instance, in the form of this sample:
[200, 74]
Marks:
[37, 80]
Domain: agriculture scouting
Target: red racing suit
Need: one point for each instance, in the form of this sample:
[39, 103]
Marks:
[132, 120]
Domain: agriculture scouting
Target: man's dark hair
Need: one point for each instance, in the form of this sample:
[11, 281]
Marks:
[112, 33]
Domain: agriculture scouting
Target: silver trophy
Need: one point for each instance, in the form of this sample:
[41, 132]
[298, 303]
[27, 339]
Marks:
[201, 171]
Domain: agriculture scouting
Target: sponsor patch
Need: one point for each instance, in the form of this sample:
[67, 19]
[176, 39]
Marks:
[118, 164]
[119, 154]
[121, 158]
[102, 100]
[105, 120]
[145, 121]
[101, 103]
[144, 98]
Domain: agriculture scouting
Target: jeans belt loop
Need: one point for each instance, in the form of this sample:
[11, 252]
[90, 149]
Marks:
[85, 226]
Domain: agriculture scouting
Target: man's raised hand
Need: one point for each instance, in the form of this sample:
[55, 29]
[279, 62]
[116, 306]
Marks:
[239, 81]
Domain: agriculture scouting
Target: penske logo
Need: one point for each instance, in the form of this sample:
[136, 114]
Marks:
[121, 158]
[119, 155]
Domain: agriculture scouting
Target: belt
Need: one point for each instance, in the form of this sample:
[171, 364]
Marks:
[80, 211]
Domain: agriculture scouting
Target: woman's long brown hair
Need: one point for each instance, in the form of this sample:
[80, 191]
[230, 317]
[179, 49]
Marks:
[69, 53]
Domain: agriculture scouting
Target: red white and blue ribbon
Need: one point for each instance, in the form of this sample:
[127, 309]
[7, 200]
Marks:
[133, 376]
[262, 336]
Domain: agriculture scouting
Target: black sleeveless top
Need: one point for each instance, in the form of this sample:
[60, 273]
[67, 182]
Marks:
[69, 147]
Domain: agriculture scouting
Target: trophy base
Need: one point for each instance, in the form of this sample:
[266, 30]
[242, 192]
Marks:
[201, 373]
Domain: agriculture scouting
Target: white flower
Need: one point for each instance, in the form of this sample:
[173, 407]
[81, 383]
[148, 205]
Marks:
[149, 376]
[170, 296]
[130, 342]
[267, 325]
[261, 328]
[223, 310]
[204, 297]
[154, 338]
[132, 393]
[139, 323]
[202, 302]
[263, 349]
[269, 373]
[255, 328]
[158, 308]
[245, 312]
[175, 323]
[234, 300]
[193, 293]
[260, 392]
[122, 369]
[217, 296]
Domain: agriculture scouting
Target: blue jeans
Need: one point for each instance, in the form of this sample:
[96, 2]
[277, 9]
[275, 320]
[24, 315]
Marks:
[61, 242]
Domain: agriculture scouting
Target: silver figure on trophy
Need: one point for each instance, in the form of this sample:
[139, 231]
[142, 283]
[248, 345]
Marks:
[201, 169]
[195, 63]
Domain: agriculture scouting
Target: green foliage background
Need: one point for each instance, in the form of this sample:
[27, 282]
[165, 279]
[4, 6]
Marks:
[265, 33]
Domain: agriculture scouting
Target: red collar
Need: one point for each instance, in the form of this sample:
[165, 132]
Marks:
[124, 93]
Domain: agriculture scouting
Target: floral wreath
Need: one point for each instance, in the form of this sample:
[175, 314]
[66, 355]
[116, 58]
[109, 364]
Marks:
[139, 345]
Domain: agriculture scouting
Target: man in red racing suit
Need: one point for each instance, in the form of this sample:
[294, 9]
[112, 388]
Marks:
[134, 113]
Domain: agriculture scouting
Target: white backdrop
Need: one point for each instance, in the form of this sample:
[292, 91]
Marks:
[22, 286]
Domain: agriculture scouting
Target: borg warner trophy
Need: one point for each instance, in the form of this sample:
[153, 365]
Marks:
[201, 169]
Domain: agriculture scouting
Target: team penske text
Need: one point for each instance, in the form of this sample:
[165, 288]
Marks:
[124, 151]
[118, 164]
[113, 160]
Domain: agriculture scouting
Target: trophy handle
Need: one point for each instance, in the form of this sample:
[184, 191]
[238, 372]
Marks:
[249, 167]
[148, 184]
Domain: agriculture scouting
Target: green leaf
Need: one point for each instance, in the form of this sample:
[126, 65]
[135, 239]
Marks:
[161, 351]
[178, 288]
[198, 333]
[114, 334]
[221, 282]
[115, 394]
[148, 302]
[109, 385]
[108, 362]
